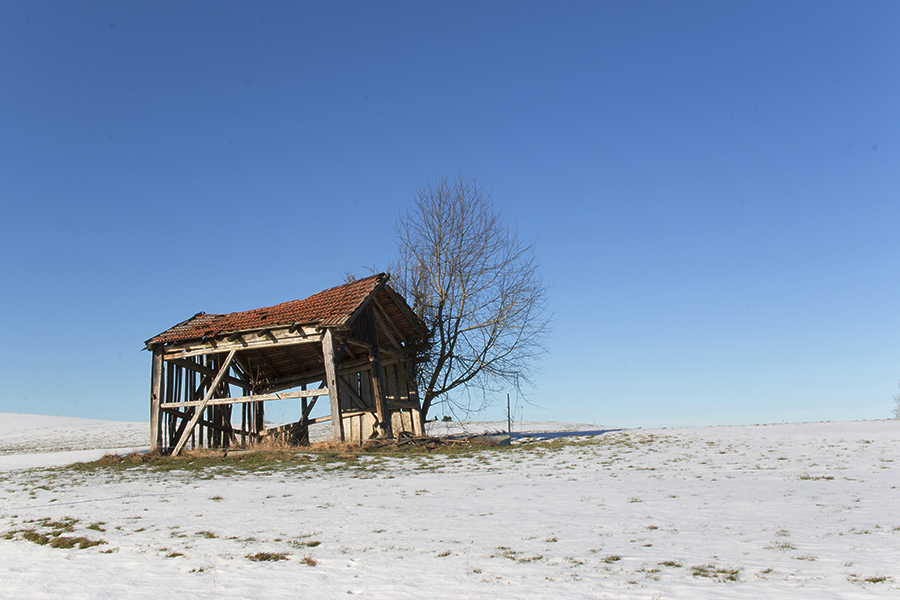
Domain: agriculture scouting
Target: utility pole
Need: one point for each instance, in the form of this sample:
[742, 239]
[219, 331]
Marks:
[508, 415]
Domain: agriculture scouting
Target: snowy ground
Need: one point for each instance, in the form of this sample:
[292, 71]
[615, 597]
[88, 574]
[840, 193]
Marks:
[775, 511]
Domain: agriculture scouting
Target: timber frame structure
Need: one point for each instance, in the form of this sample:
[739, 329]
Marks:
[350, 343]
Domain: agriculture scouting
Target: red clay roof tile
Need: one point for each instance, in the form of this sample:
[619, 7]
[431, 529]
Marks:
[331, 307]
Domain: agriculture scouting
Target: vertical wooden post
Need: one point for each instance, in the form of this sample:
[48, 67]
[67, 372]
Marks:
[378, 391]
[418, 421]
[243, 424]
[331, 380]
[156, 387]
[381, 410]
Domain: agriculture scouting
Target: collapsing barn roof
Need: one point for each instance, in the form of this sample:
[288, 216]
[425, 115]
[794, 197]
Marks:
[348, 329]
[334, 307]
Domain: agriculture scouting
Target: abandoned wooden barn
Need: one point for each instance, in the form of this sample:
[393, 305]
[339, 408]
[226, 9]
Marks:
[350, 343]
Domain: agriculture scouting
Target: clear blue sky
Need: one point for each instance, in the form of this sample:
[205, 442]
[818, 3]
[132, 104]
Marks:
[712, 187]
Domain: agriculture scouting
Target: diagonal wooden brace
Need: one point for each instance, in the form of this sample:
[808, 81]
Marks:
[209, 394]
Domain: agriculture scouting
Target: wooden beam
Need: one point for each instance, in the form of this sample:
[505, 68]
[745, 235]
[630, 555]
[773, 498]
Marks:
[360, 343]
[282, 336]
[209, 394]
[327, 418]
[248, 399]
[308, 407]
[294, 360]
[400, 404]
[291, 381]
[263, 358]
[324, 419]
[331, 380]
[184, 415]
[403, 372]
[408, 370]
[340, 353]
[390, 323]
[382, 413]
[401, 304]
[187, 364]
[156, 386]
[267, 334]
[354, 397]
[384, 325]
[381, 409]
[242, 369]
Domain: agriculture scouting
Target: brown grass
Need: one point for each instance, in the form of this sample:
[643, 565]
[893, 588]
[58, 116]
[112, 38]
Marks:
[267, 556]
[309, 561]
[272, 448]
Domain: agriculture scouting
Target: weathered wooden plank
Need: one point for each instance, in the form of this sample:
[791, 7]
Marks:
[393, 404]
[222, 344]
[156, 386]
[327, 418]
[209, 394]
[247, 399]
[382, 413]
[408, 369]
[355, 399]
[331, 380]
[307, 408]
[361, 343]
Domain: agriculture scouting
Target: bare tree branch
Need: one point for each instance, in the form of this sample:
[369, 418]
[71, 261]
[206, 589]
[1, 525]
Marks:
[476, 286]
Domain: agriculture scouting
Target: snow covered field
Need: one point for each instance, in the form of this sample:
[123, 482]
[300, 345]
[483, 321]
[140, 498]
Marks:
[773, 511]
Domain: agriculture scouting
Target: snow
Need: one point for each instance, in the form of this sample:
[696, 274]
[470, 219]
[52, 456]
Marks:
[793, 510]
[28, 441]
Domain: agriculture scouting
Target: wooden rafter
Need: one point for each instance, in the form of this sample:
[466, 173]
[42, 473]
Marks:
[386, 325]
[266, 361]
[294, 359]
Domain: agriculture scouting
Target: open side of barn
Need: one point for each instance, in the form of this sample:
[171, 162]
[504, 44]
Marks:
[351, 344]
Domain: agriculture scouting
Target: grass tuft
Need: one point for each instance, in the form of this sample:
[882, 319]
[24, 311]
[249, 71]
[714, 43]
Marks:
[267, 556]
[670, 563]
[309, 561]
[714, 572]
[71, 542]
[35, 537]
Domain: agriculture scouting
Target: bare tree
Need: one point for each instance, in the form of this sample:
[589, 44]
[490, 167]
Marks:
[476, 286]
